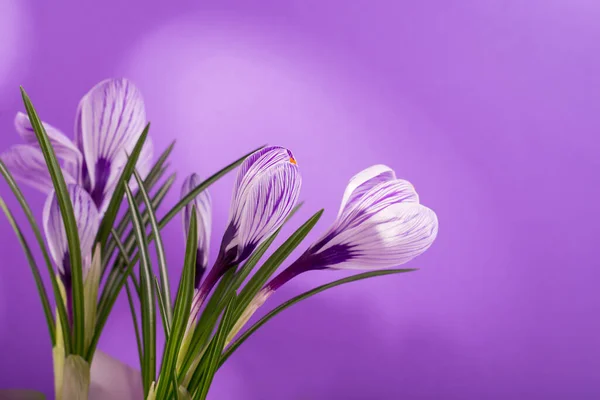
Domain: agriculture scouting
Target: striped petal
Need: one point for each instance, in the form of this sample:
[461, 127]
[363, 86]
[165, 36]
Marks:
[386, 226]
[28, 166]
[364, 181]
[388, 238]
[264, 205]
[87, 218]
[64, 147]
[258, 162]
[202, 202]
[110, 119]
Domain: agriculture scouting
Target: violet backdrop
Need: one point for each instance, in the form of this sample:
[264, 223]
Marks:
[489, 107]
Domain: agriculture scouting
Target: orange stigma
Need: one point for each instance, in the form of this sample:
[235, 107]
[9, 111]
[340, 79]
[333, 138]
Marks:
[293, 161]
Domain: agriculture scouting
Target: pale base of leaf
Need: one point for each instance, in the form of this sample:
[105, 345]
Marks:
[260, 299]
[76, 378]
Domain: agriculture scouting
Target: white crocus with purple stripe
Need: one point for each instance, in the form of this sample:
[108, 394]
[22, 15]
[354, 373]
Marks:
[265, 192]
[87, 219]
[380, 224]
[202, 202]
[109, 121]
[266, 189]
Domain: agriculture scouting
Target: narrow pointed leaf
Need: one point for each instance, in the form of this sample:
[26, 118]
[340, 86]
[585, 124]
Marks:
[160, 253]
[34, 270]
[259, 279]
[212, 356]
[182, 311]
[134, 319]
[244, 336]
[66, 210]
[147, 296]
[115, 202]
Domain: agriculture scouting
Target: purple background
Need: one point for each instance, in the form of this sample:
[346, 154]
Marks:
[489, 107]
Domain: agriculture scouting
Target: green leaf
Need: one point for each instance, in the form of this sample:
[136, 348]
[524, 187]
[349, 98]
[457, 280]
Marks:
[111, 298]
[259, 252]
[160, 253]
[147, 296]
[90, 294]
[120, 262]
[61, 309]
[115, 202]
[163, 311]
[259, 279]
[152, 178]
[211, 358]
[192, 194]
[66, 210]
[34, 270]
[244, 336]
[182, 312]
[134, 319]
[208, 319]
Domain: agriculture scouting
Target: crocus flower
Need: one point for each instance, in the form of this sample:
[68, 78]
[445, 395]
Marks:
[380, 224]
[87, 220]
[109, 121]
[265, 192]
[202, 202]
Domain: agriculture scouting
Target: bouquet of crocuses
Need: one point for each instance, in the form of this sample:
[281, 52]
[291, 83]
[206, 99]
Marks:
[93, 247]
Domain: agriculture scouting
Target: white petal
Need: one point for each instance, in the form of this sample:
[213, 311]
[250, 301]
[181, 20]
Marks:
[203, 205]
[388, 238]
[64, 147]
[364, 181]
[111, 117]
[86, 217]
[26, 163]
[266, 204]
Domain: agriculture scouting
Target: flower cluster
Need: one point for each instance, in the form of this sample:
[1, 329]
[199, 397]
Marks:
[380, 224]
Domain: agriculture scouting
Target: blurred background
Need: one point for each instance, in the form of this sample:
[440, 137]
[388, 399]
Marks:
[489, 107]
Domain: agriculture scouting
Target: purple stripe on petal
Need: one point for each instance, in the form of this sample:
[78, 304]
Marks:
[202, 202]
[87, 218]
[28, 166]
[111, 117]
[64, 148]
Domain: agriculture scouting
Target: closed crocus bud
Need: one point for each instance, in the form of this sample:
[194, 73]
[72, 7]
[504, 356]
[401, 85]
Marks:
[265, 192]
[202, 202]
[380, 224]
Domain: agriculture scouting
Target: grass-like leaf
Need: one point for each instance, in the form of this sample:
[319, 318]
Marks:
[152, 179]
[210, 363]
[60, 306]
[34, 270]
[183, 303]
[147, 296]
[244, 336]
[249, 265]
[161, 307]
[208, 319]
[134, 319]
[193, 193]
[114, 205]
[66, 210]
[259, 279]
[165, 291]
[112, 294]
[120, 263]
